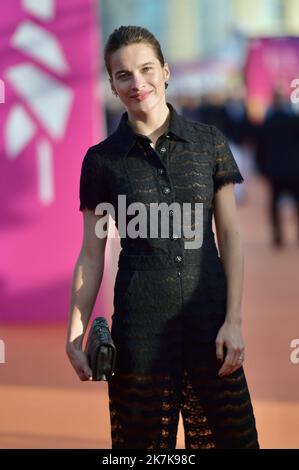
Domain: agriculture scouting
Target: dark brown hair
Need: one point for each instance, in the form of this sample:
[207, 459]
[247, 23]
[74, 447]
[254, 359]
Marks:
[126, 35]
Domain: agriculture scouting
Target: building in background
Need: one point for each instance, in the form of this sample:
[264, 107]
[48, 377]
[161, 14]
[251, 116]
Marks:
[193, 29]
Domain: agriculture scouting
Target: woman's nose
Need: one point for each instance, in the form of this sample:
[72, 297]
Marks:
[137, 81]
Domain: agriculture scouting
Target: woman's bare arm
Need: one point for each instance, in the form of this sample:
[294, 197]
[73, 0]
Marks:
[231, 253]
[231, 250]
[87, 278]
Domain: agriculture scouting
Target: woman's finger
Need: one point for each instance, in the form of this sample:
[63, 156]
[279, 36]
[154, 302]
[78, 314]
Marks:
[228, 363]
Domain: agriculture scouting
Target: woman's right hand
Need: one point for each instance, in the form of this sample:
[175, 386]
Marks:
[79, 362]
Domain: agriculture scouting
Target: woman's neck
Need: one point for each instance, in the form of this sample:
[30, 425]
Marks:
[151, 124]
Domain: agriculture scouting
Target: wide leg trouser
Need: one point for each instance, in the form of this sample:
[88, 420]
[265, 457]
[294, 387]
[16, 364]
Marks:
[164, 326]
[216, 412]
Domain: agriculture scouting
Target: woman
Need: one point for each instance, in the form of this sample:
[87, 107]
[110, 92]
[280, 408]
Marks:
[177, 311]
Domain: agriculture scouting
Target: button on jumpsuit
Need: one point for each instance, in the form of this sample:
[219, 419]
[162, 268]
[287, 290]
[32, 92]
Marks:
[169, 300]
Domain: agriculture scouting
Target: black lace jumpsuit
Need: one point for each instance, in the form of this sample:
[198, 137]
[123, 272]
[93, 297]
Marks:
[169, 300]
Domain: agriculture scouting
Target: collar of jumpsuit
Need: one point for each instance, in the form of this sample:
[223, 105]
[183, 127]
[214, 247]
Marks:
[125, 134]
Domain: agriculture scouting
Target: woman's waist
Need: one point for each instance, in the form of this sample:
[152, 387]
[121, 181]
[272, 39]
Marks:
[175, 257]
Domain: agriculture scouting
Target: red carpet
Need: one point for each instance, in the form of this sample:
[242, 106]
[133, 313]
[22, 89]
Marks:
[44, 405]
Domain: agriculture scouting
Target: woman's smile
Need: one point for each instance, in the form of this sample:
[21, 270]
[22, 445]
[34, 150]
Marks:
[141, 96]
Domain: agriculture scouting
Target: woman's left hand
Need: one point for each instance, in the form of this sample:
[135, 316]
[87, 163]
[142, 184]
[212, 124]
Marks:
[230, 336]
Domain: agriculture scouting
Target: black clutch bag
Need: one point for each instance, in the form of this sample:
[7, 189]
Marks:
[100, 350]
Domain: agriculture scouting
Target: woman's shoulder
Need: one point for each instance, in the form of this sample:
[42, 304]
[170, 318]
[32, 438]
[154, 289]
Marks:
[197, 130]
[106, 148]
[107, 143]
[201, 132]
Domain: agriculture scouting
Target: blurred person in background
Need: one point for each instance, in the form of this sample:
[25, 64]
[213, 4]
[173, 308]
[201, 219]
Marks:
[177, 321]
[278, 160]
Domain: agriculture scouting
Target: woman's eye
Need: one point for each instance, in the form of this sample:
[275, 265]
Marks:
[121, 77]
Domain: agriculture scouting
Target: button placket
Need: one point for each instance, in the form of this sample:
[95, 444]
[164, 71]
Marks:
[166, 190]
[162, 150]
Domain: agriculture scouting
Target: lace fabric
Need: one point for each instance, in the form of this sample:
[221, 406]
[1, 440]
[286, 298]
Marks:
[216, 413]
[165, 325]
[169, 301]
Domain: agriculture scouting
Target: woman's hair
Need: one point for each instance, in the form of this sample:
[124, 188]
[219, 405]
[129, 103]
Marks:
[126, 35]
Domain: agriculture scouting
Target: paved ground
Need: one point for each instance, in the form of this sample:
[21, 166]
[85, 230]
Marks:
[42, 405]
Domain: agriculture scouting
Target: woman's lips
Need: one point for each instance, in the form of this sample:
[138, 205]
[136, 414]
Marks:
[141, 96]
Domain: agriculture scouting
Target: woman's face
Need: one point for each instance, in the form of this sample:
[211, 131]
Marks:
[138, 77]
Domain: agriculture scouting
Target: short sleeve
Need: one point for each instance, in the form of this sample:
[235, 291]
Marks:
[92, 180]
[226, 169]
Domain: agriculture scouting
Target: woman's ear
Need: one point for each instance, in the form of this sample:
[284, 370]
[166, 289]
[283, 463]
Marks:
[112, 87]
[166, 72]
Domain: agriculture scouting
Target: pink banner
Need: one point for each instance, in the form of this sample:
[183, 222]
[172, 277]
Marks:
[271, 63]
[50, 115]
